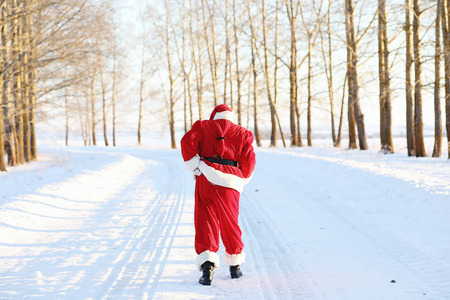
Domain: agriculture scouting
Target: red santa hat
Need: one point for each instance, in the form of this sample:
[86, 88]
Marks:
[222, 111]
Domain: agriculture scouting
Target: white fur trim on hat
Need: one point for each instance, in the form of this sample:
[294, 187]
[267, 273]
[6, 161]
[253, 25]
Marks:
[192, 164]
[233, 259]
[207, 256]
[226, 114]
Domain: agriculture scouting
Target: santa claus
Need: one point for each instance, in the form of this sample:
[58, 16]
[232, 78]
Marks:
[220, 155]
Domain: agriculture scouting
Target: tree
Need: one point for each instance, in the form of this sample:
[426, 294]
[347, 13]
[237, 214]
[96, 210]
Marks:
[445, 5]
[355, 114]
[387, 145]
[196, 60]
[311, 34]
[329, 70]
[143, 79]
[238, 75]
[255, 76]
[171, 102]
[273, 111]
[212, 55]
[410, 136]
[418, 121]
[437, 149]
[292, 10]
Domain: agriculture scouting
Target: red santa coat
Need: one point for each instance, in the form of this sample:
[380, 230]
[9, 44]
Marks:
[219, 187]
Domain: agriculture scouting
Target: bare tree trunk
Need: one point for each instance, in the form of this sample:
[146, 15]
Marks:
[188, 116]
[437, 150]
[102, 81]
[227, 54]
[32, 85]
[211, 48]
[329, 72]
[2, 142]
[171, 113]
[273, 135]
[275, 70]
[27, 23]
[341, 115]
[198, 64]
[66, 106]
[17, 77]
[10, 135]
[418, 122]
[409, 84]
[88, 122]
[82, 124]
[445, 7]
[350, 81]
[311, 34]
[309, 121]
[255, 78]
[141, 86]
[94, 139]
[292, 13]
[238, 77]
[385, 90]
[230, 63]
[113, 96]
[353, 76]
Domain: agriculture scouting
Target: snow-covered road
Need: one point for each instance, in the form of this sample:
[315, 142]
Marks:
[117, 223]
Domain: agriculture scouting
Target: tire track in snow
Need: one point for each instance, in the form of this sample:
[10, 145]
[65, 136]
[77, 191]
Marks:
[139, 266]
[412, 259]
[281, 275]
[39, 246]
[426, 274]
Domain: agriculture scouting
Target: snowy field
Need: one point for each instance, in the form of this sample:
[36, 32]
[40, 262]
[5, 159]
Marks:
[318, 223]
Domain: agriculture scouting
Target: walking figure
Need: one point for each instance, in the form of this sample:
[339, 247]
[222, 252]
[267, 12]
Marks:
[220, 155]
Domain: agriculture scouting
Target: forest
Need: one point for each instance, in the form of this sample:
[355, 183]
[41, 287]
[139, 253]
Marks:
[286, 67]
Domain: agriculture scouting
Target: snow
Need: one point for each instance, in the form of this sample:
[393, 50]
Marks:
[318, 223]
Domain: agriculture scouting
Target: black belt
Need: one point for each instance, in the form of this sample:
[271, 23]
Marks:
[221, 161]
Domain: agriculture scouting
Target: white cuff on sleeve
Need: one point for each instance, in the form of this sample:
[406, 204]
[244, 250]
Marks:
[193, 163]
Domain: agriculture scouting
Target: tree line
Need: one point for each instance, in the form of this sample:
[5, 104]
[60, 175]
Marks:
[284, 51]
[55, 57]
[278, 63]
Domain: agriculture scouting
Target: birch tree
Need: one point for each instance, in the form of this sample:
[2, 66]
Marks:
[255, 75]
[292, 10]
[437, 149]
[355, 114]
[418, 118]
[410, 136]
[445, 19]
[387, 145]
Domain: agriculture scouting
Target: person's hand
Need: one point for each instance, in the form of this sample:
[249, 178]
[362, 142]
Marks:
[196, 173]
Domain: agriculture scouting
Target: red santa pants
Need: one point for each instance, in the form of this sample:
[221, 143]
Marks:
[216, 209]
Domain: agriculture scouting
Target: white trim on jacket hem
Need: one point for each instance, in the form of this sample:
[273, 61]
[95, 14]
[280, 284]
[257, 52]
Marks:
[220, 178]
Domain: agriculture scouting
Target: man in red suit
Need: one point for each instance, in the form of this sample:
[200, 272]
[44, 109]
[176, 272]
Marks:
[220, 155]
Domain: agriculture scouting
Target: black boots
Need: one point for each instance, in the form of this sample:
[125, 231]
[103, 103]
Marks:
[208, 271]
[235, 271]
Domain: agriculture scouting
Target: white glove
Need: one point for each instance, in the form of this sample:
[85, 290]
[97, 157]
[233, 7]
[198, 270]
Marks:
[196, 173]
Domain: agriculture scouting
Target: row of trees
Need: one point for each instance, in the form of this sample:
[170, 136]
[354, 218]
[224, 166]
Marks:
[278, 63]
[285, 51]
[56, 58]
[17, 82]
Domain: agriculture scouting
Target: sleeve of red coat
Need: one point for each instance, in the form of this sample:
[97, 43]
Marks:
[248, 159]
[190, 144]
